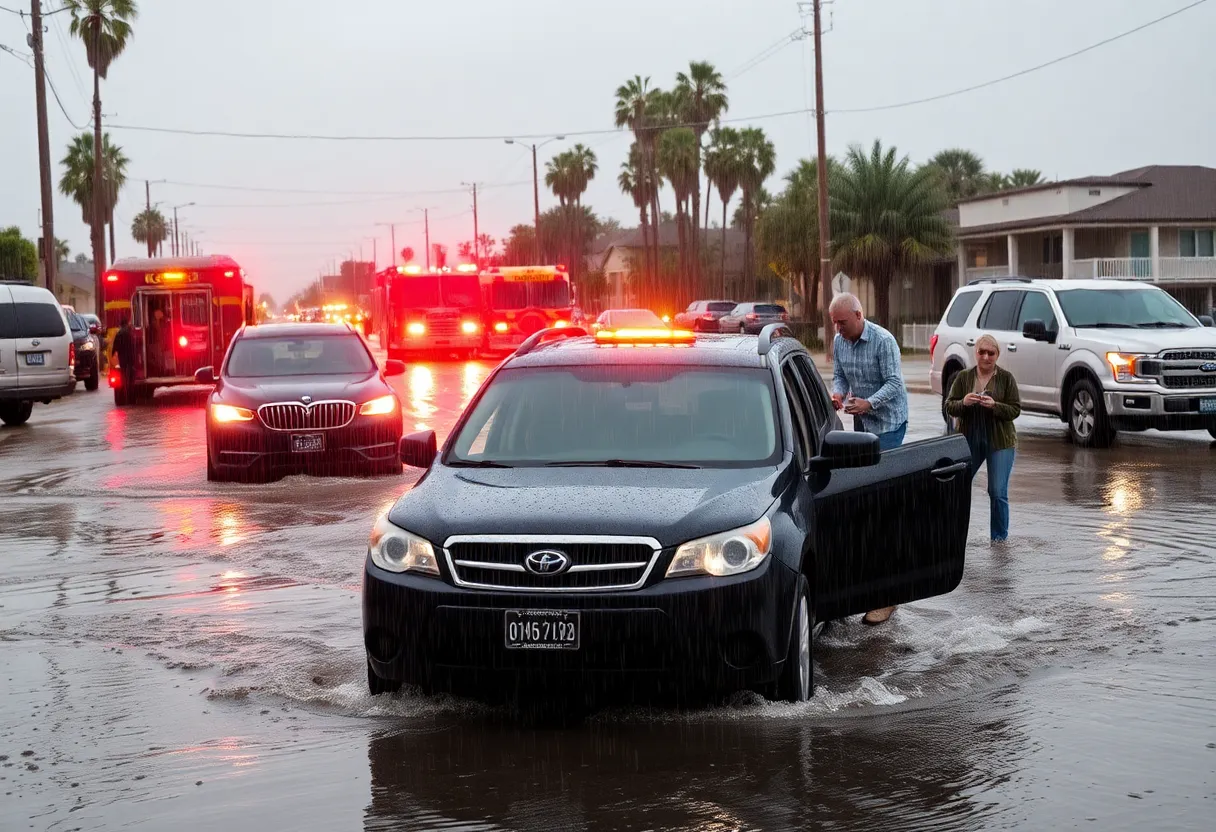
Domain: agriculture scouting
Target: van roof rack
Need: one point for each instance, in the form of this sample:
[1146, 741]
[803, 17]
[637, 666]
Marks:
[765, 342]
[1010, 279]
[551, 334]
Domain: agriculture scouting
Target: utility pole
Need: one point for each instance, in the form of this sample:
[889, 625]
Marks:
[476, 236]
[536, 204]
[50, 257]
[148, 214]
[392, 238]
[426, 225]
[825, 241]
[175, 237]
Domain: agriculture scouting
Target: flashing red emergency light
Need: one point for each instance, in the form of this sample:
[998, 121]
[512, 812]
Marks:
[182, 341]
[501, 326]
[115, 379]
[466, 267]
[111, 278]
[410, 269]
[645, 336]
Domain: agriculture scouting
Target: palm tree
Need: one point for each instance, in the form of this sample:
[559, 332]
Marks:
[962, 173]
[701, 94]
[787, 233]
[635, 109]
[635, 182]
[77, 180]
[678, 164]
[62, 250]
[149, 227]
[887, 218]
[104, 26]
[757, 161]
[1024, 178]
[722, 170]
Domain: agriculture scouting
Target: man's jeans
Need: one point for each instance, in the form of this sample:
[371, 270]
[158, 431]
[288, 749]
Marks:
[893, 438]
[1000, 469]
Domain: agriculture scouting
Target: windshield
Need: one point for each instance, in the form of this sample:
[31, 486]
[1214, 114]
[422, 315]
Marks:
[323, 355]
[546, 294]
[462, 290]
[76, 322]
[1123, 308]
[416, 292]
[623, 413]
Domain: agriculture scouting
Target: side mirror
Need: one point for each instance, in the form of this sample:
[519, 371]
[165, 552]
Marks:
[1207, 320]
[393, 367]
[847, 449]
[1035, 330]
[94, 329]
[418, 450]
[204, 375]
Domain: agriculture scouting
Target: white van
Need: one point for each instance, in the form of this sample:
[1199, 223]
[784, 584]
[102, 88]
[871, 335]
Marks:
[36, 351]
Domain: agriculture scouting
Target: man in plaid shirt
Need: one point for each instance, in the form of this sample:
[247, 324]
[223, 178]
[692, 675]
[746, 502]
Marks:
[868, 384]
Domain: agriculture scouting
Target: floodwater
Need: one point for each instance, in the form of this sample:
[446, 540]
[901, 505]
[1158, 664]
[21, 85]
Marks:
[183, 655]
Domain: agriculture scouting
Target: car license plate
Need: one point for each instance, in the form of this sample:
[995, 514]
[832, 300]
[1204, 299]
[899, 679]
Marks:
[304, 443]
[1207, 405]
[35, 359]
[541, 630]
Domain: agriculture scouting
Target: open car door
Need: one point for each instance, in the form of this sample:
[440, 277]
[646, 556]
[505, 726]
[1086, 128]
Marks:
[893, 532]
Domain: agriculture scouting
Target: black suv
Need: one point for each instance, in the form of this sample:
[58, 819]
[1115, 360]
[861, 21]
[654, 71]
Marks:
[680, 512]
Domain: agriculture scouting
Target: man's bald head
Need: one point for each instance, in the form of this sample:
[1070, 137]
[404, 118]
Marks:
[848, 316]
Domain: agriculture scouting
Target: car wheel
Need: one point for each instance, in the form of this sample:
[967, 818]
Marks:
[91, 383]
[16, 413]
[797, 680]
[213, 474]
[1088, 424]
[1212, 431]
[377, 685]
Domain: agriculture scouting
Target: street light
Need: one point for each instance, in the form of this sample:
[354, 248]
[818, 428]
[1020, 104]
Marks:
[476, 243]
[392, 239]
[536, 189]
[176, 245]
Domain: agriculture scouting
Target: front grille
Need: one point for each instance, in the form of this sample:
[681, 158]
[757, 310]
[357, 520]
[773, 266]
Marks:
[1188, 382]
[315, 416]
[443, 327]
[596, 564]
[1189, 355]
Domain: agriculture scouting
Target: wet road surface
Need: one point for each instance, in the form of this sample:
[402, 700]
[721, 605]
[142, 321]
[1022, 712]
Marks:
[186, 655]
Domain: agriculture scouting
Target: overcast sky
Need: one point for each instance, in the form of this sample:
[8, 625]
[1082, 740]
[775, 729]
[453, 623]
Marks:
[486, 67]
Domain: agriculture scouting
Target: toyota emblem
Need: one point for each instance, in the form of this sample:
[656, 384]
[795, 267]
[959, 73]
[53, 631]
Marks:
[306, 399]
[547, 562]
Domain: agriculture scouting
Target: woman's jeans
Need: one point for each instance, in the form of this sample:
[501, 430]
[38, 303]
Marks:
[1000, 467]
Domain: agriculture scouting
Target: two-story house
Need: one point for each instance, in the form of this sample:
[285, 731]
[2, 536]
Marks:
[1156, 223]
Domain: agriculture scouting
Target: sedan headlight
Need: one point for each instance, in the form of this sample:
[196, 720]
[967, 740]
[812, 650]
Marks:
[382, 406]
[725, 553]
[395, 550]
[228, 413]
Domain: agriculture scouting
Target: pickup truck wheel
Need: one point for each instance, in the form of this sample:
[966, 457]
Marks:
[377, 685]
[797, 680]
[1088, 425]
[16, 413]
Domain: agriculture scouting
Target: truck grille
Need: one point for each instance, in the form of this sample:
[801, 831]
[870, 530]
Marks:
[315, 416]
[1188, 382]
[1180, 369]
[596, 564]
[1189, 355]
[443, 327]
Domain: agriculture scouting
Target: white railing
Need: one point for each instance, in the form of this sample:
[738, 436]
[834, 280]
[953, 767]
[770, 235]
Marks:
[1187, 268]
[1141, 268]
[984, 272]
[916, 336]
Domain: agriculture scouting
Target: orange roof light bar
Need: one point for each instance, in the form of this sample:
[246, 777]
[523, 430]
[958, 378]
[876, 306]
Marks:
[646, 336]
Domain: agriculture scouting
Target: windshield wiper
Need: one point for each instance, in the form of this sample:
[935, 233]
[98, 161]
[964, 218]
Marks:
[616, 463]
[477, 463]
[1105, 325]
[1161, 324]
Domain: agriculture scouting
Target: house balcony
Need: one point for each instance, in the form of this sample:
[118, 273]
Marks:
[1169, 269]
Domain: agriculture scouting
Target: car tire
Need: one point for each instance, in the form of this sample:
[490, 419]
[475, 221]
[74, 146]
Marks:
[1088, 424]
[16, 413]
[377, 685]
[1212, 432]
[91, 383]
[213, 474]
[797, 680]
[120, 397]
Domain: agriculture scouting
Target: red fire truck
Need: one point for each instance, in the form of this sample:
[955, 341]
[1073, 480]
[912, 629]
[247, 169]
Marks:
[521, 300]
[436, 312]
[183, 313]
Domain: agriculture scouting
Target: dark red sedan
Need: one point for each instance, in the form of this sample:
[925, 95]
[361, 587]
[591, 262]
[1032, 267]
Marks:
[301, 398]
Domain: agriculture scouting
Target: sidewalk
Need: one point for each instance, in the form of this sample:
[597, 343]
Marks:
[915, 369]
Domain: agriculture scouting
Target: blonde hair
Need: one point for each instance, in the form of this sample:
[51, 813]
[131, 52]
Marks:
[988, 340]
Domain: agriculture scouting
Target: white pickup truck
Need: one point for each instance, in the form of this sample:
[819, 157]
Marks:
[1101, 355]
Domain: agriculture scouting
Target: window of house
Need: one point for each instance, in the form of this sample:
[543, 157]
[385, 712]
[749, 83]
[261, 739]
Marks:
[1196, 242]
[1053, 248]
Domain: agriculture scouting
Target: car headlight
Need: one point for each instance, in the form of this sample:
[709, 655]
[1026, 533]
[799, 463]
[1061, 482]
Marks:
[395, 550]
[382, 406]
[228, 413]
[1123, 365]
[88, 346]
[725, 553]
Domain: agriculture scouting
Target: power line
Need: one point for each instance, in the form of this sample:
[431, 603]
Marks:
[766, 53]
[58, 101]
[439, 191]
[24, 57]
[611, 130]
[1020, 73]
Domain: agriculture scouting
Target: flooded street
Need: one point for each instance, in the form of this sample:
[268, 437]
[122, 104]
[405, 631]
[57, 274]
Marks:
[179, 654]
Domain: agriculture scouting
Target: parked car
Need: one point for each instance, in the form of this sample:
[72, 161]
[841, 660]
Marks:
[88, 348]
[628, 319]
[703, 315]
[750, 318]
[1100, 355]
[36, 350]
[675, 518]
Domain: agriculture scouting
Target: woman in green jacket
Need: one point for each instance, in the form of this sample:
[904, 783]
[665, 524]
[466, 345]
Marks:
[985, 401]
